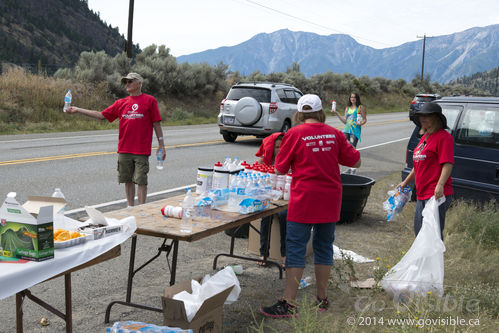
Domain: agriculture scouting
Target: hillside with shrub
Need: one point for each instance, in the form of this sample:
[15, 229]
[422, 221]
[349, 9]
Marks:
[186, 93]
[41, 35]
[485, 81]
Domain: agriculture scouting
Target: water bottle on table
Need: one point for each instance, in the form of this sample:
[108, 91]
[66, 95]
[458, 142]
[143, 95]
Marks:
[67, 100]
[59, 216]
[187, 212]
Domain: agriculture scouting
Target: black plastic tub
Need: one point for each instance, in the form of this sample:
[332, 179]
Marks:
[356, 190]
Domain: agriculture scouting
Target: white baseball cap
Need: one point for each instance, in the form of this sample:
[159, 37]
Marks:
[313, 101]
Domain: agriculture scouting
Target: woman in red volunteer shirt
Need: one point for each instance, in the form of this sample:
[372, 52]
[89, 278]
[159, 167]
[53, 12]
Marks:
[313, 151]
[433, 160]
[267, 152]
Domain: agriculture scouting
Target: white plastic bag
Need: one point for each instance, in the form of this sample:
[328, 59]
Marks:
[209, 287]
[422, 268]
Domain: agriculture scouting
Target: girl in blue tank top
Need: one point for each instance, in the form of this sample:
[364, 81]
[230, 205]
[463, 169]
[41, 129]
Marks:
[354, 119]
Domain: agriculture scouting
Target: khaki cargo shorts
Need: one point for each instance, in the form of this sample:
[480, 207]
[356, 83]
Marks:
[133, 168]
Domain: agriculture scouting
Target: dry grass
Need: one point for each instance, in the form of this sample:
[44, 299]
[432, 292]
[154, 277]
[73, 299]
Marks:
[33, 103]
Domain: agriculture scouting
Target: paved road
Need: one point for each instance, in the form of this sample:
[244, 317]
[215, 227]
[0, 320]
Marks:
[83, 164]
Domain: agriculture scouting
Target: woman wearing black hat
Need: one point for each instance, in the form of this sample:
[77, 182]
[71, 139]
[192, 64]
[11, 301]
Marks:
[433, 160]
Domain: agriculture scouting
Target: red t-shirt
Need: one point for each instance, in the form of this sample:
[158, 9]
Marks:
[431, 152]
[136, 114]
[313, 151]
[266, 150]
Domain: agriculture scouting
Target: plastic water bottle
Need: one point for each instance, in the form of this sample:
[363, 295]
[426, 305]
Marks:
[67, 100]
[238, 269]
[187, 212]
[333, 105]
[240, 189]
[58, 193]
[159, 159]
[280, 183]
[59, 216]
[287, 187]
[232, 167]
[268, 185]
[359, 119]
[233, 203]
[227, 162]
[305, 282]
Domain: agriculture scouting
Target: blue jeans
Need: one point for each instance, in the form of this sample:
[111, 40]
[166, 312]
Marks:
[265, 229]
[297, 237]
[418, 216]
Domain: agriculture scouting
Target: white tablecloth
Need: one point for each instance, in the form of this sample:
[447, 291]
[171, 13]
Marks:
[17, 277]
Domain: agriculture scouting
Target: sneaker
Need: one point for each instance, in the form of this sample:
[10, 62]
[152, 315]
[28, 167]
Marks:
[353, 171]
[322, 304]
[281, 309]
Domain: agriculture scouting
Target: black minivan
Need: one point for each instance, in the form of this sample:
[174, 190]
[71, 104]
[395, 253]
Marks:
[474, 124]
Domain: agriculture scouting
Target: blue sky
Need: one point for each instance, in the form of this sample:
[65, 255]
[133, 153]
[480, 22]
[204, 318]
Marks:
[190, 26]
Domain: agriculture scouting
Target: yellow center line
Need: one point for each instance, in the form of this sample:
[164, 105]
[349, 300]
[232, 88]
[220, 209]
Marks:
[63, 157]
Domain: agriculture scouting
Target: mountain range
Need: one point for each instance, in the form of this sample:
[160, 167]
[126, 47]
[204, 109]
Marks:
[447, 57]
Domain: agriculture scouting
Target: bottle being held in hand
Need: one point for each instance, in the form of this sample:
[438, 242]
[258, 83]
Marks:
[67, 100]
[333, 106]
[159, 159]
[359, 119]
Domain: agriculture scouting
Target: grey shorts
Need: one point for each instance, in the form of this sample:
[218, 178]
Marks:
[133, 168]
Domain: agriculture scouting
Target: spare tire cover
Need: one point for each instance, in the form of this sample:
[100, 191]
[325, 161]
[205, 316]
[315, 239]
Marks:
[248, 111]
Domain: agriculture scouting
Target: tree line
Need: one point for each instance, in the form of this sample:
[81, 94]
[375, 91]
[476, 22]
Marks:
[165, 77]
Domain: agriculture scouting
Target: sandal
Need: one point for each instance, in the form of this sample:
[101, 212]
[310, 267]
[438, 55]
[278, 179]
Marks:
[261, 263]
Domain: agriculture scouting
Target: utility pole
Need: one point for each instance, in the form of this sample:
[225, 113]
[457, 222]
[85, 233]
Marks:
[497, 78]
[129, 44]
[422, 63]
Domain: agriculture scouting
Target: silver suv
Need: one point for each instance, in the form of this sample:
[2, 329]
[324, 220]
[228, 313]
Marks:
[257, 108]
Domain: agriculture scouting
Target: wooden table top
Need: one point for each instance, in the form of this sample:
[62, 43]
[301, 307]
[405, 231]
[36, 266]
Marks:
[151, 222]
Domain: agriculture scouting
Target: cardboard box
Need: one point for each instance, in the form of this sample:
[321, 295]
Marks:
[34, 204]
[275, 240]
[208, 319]
[101, 232]
[24, 234]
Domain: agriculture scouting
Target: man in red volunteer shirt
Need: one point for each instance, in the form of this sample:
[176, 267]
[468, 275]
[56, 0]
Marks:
[313, 151]
[138, 115]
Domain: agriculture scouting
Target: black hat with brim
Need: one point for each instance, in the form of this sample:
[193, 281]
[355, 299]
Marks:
[431, 108]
